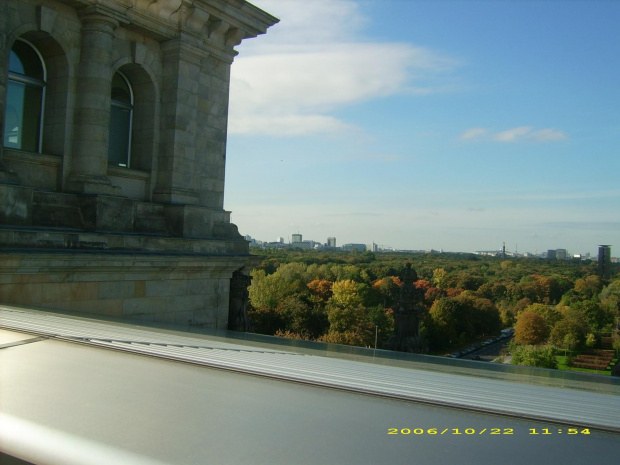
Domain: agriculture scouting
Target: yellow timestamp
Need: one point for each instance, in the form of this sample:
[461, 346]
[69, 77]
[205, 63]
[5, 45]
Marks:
[450, 431]
[571, 431]
[489, 431]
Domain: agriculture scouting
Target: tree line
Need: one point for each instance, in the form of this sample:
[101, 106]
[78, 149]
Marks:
[348, 298]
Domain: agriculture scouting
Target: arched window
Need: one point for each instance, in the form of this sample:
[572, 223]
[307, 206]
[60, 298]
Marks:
[121, 113]
[24, 98]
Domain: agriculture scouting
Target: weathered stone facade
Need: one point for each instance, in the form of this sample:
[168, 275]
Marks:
[135, 231]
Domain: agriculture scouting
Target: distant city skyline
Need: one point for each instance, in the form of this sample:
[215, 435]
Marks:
[298, 237]
[429, 125]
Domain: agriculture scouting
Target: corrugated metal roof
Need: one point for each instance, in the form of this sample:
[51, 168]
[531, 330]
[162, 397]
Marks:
[574, 407]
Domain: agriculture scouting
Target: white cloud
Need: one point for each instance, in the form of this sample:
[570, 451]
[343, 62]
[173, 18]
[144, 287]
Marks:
[521, 133]
[314, 62]
[545, 135]
[512, 135]
[474, 133]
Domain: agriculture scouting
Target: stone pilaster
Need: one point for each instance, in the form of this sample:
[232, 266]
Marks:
[211, 141]
[179, 122]
[92, 116]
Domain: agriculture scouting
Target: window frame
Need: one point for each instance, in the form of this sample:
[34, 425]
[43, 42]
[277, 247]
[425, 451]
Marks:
[32, 82]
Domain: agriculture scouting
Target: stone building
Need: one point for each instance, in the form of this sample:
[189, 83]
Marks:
[114, 117]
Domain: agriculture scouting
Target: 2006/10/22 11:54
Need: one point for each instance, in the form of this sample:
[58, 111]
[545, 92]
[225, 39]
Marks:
[490, 431]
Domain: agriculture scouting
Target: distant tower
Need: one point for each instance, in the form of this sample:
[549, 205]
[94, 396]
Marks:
[503, 250]
[331, 241]
[604, 261]
[296, 237]
[280, 240]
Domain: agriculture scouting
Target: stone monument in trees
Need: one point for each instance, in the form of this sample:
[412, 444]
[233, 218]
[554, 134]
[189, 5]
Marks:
[408, 313]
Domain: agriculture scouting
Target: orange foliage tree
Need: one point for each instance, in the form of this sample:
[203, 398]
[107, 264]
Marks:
[531, 329]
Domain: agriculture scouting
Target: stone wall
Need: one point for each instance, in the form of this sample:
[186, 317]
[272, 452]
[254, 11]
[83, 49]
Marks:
[180, 290]
[147, 237]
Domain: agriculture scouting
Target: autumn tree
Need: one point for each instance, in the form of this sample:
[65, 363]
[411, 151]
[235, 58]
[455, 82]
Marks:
[548, 312]
[348, 315]
[388, 289]
[531, 329]
[589, 287]
[346, 294]
[321, 288]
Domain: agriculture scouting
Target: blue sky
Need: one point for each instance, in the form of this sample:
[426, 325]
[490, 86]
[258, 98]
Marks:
[454, 125]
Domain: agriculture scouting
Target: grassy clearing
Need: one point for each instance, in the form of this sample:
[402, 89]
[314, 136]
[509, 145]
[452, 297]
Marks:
[562, 366]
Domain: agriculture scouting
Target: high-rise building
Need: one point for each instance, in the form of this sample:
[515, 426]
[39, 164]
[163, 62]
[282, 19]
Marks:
[604, 261]
[358, 247]
[331, 241]
[296, 238]
[551, 254]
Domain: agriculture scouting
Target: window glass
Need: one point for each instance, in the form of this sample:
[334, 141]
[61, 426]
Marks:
[120, 122]
[121, 92]
[24, 102]
[25, 60]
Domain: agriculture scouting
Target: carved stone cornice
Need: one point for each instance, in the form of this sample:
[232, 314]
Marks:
[165, 18]
[110, 11]
[98, 22]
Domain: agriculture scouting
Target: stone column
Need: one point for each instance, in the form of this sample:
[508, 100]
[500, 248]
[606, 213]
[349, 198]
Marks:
[179, 124]
[89, 161]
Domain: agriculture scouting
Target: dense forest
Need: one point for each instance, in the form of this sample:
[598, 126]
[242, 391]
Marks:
[347, 298]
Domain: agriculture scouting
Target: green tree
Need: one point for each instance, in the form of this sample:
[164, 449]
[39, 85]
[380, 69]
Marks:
[482, 315]
[573, 328]
[533, 356]
[267, 291]
[293, 273]
[300, 317]
[468, 280]
[446, 326]
[597, 315]
[569, 342]
[590, 341]
[440, 278]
